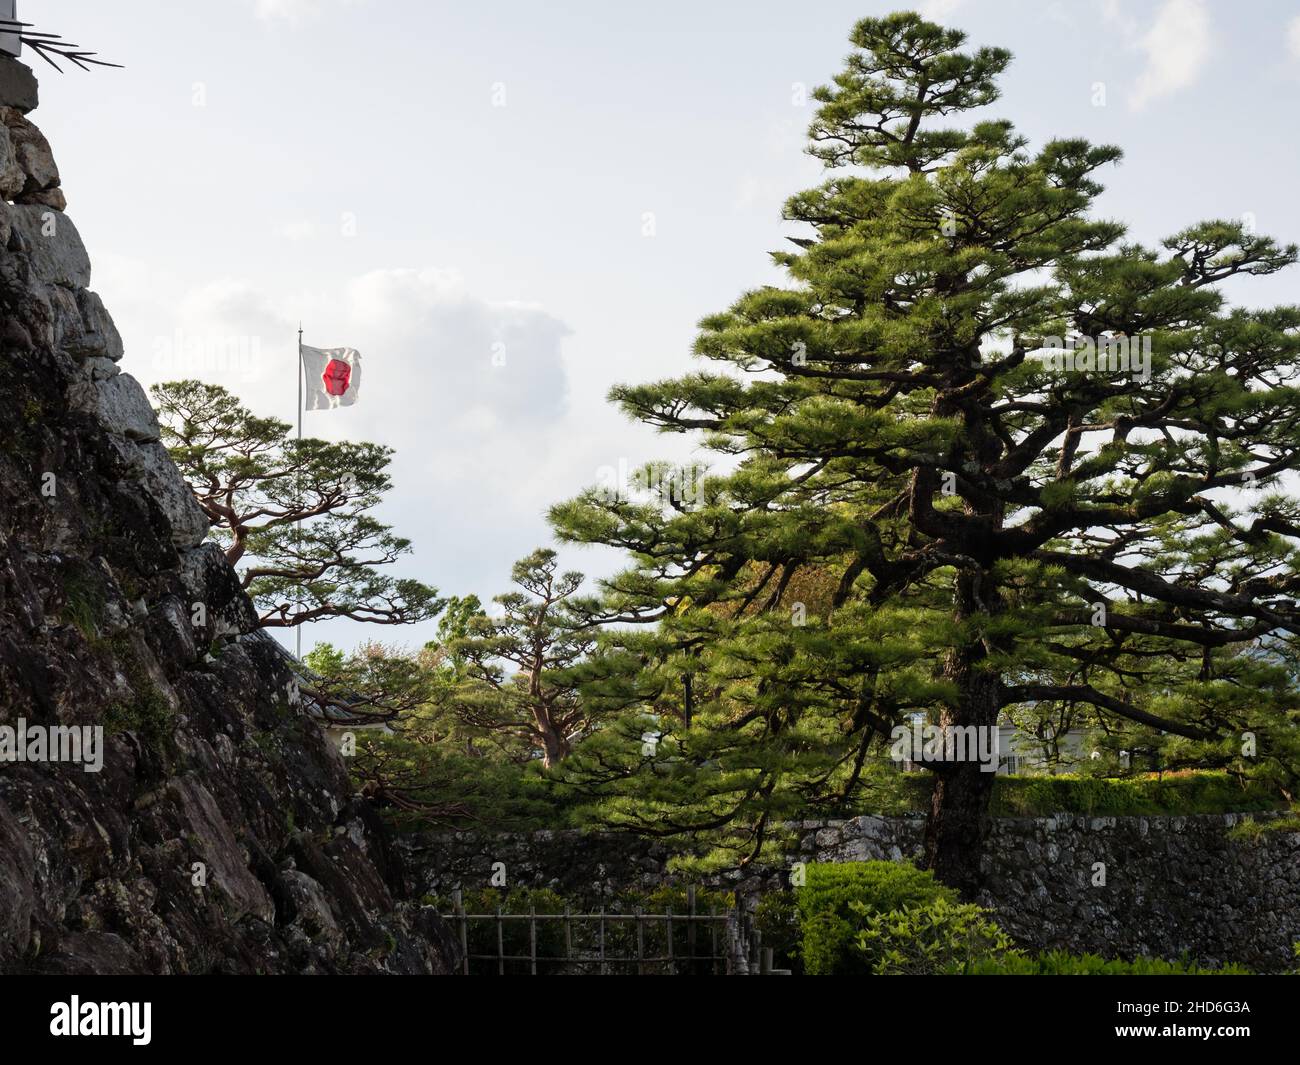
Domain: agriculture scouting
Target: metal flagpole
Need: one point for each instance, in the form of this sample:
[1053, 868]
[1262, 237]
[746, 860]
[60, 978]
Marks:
[298, 527]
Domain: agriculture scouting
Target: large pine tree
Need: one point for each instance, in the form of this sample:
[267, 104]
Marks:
[1003, 528]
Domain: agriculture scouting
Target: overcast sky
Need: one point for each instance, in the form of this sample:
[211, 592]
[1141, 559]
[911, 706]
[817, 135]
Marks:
[508, 207]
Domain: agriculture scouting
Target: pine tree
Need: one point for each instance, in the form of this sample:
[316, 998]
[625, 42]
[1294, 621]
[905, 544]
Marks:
[518, 682]
[1042, 465]
[374, 684]
[296, 516]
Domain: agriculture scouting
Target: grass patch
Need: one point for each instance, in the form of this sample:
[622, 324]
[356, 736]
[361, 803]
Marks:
[1171, 794]
[1251, 830]
[83, 600]
[147, 713]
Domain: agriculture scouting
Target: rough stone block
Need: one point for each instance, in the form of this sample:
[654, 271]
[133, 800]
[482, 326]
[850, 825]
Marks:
[46, 197]
[98, 324]
[50, 240]
[215, 842]
[12, 178]
[124, 409]
[31, 150]
[18, 85]
[168, 488]
[207, 579]
[101, 369]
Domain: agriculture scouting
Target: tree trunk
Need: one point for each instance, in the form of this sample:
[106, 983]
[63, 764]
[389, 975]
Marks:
[555, 748]
[958, 823]
[957, 827]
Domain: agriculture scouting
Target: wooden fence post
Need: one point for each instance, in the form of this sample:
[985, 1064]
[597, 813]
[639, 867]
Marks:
[532, 935]
[568, 936]
[692, 966]
[501, 947]
[602, 941]
[640, 941]
[458, 908]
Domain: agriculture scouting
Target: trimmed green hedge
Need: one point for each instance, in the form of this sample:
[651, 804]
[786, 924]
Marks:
[836, 899]
[936, 937]
[887, 918]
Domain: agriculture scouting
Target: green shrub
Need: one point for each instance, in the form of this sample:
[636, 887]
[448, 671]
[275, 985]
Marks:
[930, 938]
[777, 919]
[829, 920]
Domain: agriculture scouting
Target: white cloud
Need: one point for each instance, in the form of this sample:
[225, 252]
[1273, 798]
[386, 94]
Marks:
[460, 355]
[285, 10]
[436, 354]
[471, 393]
[756, 193]
[939, 10]
[1176, 48]
[300, 230]
[294, 11]
[1293, 37]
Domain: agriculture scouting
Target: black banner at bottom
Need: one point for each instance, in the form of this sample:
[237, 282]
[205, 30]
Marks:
[215, 1014]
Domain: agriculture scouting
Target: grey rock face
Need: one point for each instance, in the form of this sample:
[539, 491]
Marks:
[12, 177]
[30, 153]
[206, 579]
[220, 834]
[189, 525]
[18, 87]
[99, 335]
[123, 408]
[51, 245]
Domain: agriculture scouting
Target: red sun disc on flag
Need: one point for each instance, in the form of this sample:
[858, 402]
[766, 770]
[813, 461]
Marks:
[337, 377]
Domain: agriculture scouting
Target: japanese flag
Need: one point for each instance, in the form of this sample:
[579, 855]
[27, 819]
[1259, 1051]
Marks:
[333, 377]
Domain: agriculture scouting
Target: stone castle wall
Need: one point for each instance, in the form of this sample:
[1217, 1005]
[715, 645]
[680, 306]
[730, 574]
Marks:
[1117, 886]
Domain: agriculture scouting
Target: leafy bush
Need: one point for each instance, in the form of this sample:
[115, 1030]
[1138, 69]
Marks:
[836, 899]
[890, 918]
[928, 939]
[777, 919]
[667, 897]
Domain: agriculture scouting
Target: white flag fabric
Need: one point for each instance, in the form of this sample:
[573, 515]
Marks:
[333, 377]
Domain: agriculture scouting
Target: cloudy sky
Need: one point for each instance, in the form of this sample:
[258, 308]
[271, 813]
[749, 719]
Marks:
[509, 207]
